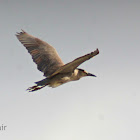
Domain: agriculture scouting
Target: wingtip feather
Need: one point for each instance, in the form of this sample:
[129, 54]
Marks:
[19, 33]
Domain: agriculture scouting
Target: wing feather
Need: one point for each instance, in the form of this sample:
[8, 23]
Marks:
[70, 67]
[43, 54]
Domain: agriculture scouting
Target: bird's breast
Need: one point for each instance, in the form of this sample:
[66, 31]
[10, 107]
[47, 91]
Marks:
[64, 78]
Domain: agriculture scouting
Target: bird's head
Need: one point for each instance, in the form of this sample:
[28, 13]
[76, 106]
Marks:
[83, 73]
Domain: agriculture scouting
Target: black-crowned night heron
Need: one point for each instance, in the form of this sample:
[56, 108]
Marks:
[49, 62]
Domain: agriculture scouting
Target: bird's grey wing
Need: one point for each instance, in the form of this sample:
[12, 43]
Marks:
[43, 54]
[70, 67]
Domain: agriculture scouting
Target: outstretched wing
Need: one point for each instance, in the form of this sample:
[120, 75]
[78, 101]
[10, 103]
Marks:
[43, 54]
[70, 67]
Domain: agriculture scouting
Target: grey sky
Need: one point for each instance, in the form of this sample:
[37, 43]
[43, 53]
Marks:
[102, 108]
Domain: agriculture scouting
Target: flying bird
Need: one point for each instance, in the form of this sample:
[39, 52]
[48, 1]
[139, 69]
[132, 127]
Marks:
[49, 62]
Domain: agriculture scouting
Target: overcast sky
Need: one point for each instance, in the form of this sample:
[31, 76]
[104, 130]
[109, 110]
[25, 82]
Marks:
[103, 108]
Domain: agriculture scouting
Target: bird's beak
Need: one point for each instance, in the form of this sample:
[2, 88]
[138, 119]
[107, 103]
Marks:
[89, 74]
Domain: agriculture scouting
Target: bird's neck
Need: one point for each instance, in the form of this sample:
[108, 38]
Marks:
[76, 74]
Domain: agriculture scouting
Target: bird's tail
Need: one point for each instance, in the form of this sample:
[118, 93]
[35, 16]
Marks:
[39, 85]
